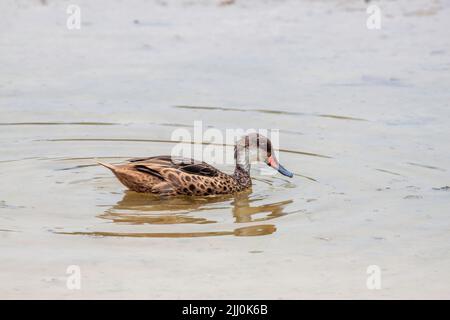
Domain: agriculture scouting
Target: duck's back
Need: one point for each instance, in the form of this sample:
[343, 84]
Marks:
[166, 175]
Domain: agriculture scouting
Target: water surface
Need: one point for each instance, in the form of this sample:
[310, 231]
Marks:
[364, 124]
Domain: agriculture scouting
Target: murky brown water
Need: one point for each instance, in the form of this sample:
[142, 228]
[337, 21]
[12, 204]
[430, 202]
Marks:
[364, 123]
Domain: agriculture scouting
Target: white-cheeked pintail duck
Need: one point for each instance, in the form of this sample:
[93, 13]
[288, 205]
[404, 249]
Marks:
[170, 176]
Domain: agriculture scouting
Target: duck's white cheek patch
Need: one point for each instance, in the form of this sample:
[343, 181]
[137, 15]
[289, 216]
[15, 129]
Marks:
[254, 155]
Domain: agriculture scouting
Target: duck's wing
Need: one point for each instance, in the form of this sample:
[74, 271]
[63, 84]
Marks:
[160, 166]
[168, 175]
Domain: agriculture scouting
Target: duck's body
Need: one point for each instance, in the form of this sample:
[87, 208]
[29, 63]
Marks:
[170, 176]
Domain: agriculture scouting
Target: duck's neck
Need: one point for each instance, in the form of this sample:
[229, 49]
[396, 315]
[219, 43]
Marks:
[242, 170]
[242, 176]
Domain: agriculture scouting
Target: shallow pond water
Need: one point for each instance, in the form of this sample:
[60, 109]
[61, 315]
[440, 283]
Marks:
[364, 123]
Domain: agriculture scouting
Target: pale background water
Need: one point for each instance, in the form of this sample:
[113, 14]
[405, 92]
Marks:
[371, 106]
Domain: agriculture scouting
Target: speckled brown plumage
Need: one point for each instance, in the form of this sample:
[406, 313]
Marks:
[166, 175]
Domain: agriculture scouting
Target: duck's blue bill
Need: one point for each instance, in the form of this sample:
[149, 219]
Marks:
[284, 171]
[271, 161]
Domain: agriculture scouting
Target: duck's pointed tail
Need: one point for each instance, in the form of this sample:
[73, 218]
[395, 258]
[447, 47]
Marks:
[107, 165]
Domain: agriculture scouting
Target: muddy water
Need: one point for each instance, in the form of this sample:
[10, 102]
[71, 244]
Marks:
[364, 124]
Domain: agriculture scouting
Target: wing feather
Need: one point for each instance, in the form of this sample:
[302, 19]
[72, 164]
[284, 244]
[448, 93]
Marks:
[154, 165]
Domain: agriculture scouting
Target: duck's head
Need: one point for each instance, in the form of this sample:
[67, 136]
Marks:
[256, 147]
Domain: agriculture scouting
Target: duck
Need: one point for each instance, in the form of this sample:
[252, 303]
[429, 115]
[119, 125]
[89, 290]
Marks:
[173, 175]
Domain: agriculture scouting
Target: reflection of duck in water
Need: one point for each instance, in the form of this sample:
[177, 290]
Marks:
[142, 209]
[166, 175]
[136, 208]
